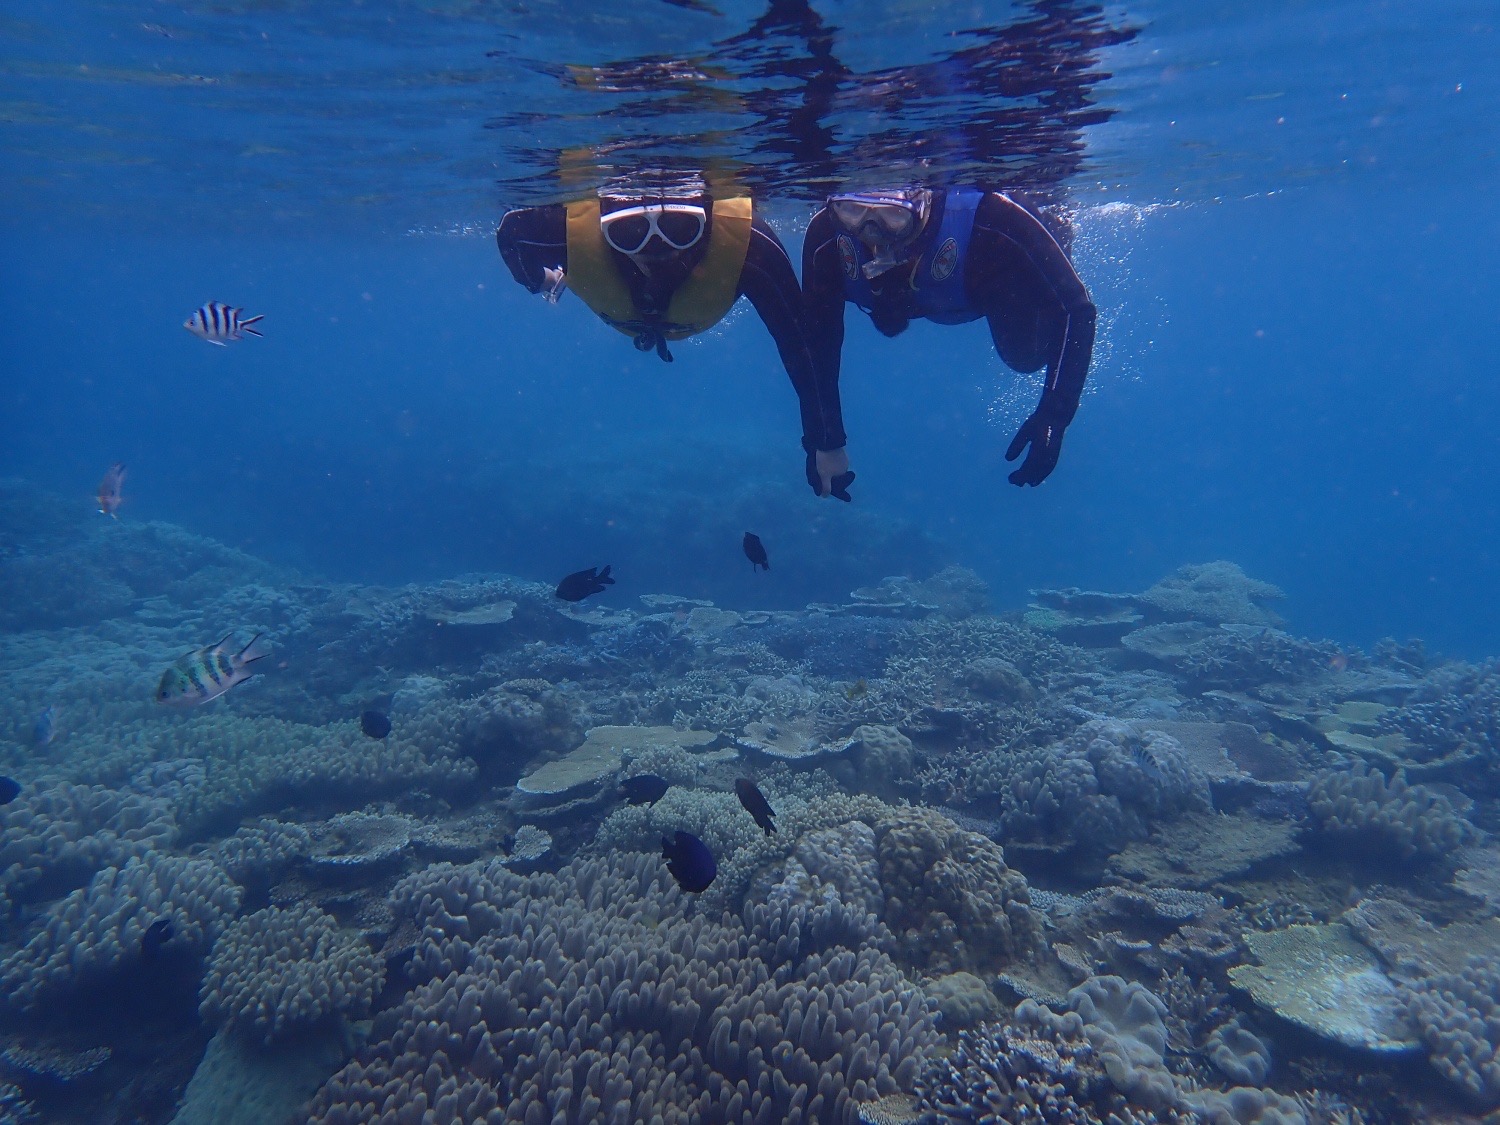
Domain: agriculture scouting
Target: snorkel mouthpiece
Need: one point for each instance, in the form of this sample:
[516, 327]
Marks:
[887, 222]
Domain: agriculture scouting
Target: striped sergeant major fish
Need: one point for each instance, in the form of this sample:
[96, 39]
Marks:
[219, 323]
[208, 673]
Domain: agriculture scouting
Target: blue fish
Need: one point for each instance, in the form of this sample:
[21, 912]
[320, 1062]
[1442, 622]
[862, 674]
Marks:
[44, 730]
[689, 861]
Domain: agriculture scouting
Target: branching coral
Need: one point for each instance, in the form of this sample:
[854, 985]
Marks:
[590, 996]
[278, 971]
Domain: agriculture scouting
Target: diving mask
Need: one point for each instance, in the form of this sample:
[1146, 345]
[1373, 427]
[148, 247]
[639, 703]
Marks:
[679, 226]
[885, 222]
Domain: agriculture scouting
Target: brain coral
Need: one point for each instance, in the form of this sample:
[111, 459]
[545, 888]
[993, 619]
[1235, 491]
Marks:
[276, 971]
[591, 995]
[950, 899]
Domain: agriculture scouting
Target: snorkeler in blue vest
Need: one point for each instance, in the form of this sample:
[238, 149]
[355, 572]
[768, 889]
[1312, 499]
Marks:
[950, 257]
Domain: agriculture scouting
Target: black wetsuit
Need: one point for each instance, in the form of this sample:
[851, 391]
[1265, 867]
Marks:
[535, 238]
[1017, 276]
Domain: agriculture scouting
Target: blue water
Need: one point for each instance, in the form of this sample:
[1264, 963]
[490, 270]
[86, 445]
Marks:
[1282, 221]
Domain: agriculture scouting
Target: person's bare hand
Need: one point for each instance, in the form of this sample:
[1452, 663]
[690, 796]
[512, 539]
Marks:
[828, 473]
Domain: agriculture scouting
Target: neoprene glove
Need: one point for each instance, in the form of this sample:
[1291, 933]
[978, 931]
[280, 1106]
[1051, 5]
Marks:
[1045, 440]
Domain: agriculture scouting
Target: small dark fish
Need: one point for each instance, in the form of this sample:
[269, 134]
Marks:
[580, 584]
[755, 551]
[508, 843]
[10, 789]
[644, 789]
[376, 724]
[111, 489]
[157, 935]
[755, 804]
[219, 323]
[44, 730]
[689, 861]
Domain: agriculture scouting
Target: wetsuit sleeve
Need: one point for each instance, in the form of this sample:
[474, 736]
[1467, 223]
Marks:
[532, 239]
[770, 283]
[1038, 309]
[823, 313]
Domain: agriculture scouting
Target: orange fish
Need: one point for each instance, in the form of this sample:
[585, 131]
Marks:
[111, 489]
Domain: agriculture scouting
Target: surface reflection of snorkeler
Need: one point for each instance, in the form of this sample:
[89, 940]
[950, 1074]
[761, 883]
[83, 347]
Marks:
[663, 265]
[950, 257]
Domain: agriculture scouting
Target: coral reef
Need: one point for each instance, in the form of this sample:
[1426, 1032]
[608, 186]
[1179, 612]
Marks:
[1367, 809]
[1320, 978]
[528, 1013]
[276, 972]
[54, 839]
[949, 897]
[1195, 788]
[98, 930]
[1457, 1016]
[1103, 1060]
[1218, 593]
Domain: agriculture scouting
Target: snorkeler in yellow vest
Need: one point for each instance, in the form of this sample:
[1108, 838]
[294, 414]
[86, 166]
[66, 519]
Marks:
[663, 266]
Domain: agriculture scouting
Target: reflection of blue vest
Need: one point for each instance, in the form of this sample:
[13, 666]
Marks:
[936, 278]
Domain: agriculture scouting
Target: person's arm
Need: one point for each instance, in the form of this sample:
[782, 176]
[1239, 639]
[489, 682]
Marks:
[770, 283]
[1040, 314]
[533, 240]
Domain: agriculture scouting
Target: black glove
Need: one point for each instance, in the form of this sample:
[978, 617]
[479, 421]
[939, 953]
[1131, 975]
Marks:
[1045, 439]
[839, 486]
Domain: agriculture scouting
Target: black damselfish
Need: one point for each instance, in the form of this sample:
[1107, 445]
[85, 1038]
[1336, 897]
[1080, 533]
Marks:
[755, 551]
[10, 789]
[580, 584]
[644, 789]
[376, 724]
[157, 935]
[689, 861]
[756, 804]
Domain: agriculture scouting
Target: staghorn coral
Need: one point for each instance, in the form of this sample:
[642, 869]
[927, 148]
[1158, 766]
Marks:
[1456, 708]
[950, 899]
[1035, 1067]
[1360, 806]
[278, 971]
[590, 996]
[1101, 1061]
[98, 930]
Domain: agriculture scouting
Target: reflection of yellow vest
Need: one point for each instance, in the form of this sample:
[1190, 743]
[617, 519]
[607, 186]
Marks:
[699, 303]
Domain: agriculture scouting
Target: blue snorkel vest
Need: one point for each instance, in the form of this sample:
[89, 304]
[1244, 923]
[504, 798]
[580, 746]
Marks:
[937, 276]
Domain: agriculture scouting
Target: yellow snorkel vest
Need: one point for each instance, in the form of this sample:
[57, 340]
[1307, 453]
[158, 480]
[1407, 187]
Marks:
[699, 303]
